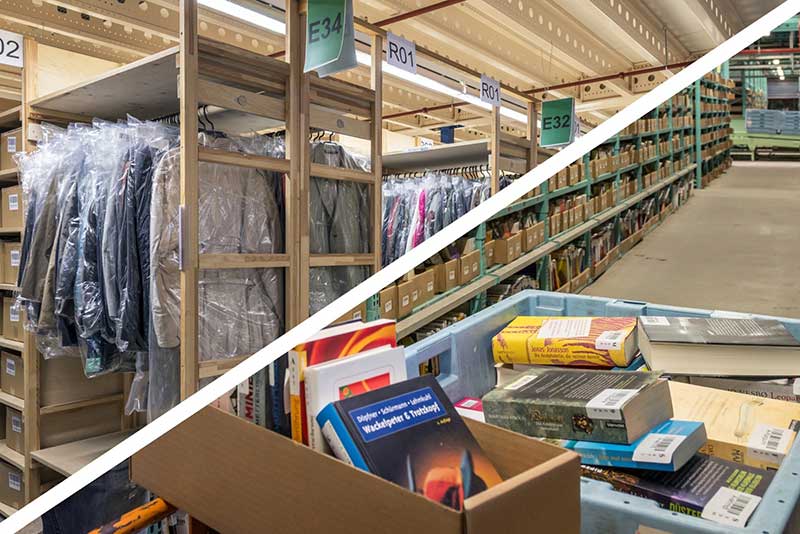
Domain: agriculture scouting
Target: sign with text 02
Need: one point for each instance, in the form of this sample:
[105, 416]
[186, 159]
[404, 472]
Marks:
[10, 49]
[330, 40]
[558, 122]
[401, 53]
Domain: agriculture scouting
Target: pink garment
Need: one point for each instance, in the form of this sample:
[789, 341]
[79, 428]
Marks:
[419, 231]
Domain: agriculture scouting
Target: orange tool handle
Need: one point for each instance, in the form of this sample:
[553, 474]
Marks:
[138, 518]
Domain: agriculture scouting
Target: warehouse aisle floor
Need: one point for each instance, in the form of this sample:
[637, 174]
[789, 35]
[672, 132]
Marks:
[734, 246]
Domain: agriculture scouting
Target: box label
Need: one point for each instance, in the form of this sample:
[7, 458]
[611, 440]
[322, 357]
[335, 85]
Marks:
[415, 295]
[657, 448]
[608, 403]
[12, 145]
[402, 412]
[13, 202]
[11, 367]
[15, 258]
[15, 481]
[451, 275]
[387, 306]
[405, 300]
[730, 507]
[16, 424]
[14, 313]
[430, 287]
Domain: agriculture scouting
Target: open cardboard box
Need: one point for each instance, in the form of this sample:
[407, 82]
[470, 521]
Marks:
[236, 477]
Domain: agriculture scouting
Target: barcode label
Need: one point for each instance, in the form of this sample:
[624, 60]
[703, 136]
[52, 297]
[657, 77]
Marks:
[451, 275]
[560, 328]
[654, 320]
[16, 424]
[14, 313]
[611, 340]
[15, 258]
[769, 443]
[11, 367]
[13, 202]
[405, 300]
[657, 448]
[12, 145]
[520, 382]
[608, 403]
[730, 507]
[387, 306]
[15, 481]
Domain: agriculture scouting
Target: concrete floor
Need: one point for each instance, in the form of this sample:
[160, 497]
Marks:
[734, 246]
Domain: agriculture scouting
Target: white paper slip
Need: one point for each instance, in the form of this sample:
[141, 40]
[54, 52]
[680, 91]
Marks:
[611, 340]
[654, 320]
[557, 328]
[520, 382]
[608, 403]
[769, 443]
[657, 448]
[730, 507]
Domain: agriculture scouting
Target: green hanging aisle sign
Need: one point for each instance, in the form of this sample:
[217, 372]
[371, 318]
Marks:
[558, 122]
[330, 39]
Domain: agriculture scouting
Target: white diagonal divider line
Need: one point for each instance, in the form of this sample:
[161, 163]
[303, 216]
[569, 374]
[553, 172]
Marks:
[396, 269]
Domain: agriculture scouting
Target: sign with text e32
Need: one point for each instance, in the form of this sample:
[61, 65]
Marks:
[558, 121]
[10, 49]
[401, 53]
[490, 91]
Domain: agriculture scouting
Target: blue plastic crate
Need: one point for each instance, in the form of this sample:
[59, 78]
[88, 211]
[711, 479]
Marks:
[467, 370]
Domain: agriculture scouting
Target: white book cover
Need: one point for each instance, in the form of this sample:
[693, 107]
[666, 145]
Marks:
[347, 377]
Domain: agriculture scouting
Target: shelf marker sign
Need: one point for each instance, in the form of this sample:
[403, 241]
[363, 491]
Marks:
[330, 39]
[490, 91]
[401, 53]
[558, 122]
[10, 49]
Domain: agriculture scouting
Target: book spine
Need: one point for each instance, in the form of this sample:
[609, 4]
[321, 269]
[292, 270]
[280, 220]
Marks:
[277, 376]
[339, 438]
[297, 365]
[315, 440]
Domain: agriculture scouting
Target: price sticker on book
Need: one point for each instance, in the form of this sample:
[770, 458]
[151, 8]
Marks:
[657, 448]
[730, 507]
[610, 340]
[608, 403]
[769, 443]
[654, 320]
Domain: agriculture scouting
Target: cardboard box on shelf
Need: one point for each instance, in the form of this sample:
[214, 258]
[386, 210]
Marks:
[14, 430]
[508, 249]
[407, 297]
[12, 207]
[12, 485]
[11, 259]
[10, 144]
[469, 266]
[427, 285]
[488, 252]
[12, 379]
[12, 319]
[541, 481]
[388, 302]
[446, 276]
[530, 237]
[359, 313]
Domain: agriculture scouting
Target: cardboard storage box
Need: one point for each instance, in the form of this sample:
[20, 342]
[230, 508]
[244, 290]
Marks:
[12, 319]
[469, 266]
[359, 313]
[388, 302]
[274, 481]
[407, 297]
[14, 430]
[12, 378]
[445, 276]
[509, 249]
[12, 207]
[10, 144]
[11, 259]
[12, 485]
[427, 286]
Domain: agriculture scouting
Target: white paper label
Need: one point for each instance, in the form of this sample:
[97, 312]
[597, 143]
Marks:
[654, 320]
[11, 367]
[475, 267]
[14, 313]
[557, 328]
[401, 53]
[13, 202]
[611, 340]
[414, 295]
[335, 443]
[357, 314]
[490, 90]
[657, 448]
[520, 382]
[430, 287]
[10, 49]
[451, 275]
[15, 481]
[469, 403]
[387, 306]
[12, 145]
[730, 507]
[16, 424]
[796, 386]
[14, 258]
[405, 300]
[466, 270]
[769, 443]
[608, 403]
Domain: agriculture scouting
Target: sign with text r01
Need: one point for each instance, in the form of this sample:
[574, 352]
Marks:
[490, 90]
[558, 122]
[401, 53]
[10, 49]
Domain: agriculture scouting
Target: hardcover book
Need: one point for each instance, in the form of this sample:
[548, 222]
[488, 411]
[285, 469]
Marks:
[708, 487]
[348, 377]
[588, 405]
[667, 447]
[741, 428]
[330, 344]
[575, 341]
[410, 434]
[718, 346]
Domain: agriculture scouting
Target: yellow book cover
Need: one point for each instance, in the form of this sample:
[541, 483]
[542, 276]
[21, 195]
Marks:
[750, 430]
[579, 341]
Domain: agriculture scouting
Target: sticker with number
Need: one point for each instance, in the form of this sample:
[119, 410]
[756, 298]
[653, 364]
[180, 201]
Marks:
[608, 403]
[654, 320]
[401, 53]
[730, 507]
[769, 443]
[657, 448]
[611, 340]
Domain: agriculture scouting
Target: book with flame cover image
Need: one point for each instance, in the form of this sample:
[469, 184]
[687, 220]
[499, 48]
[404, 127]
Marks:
[409, 433]
[602, 342]
[330, 344]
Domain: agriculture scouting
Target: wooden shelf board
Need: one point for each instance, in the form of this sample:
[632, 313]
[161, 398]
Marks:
[11, 456]
[68, 458]
[10, 400]
[6, 509]
[10, 231]
[11, 344]
[10, 118]
[8, 176]
[8, 287]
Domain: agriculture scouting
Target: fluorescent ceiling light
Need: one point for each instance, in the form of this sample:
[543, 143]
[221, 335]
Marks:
[776, 61]
[248, 15]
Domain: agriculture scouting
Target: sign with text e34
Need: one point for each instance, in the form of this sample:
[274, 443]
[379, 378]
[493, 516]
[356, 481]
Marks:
[558, 121]
[401, 53]
[490, 90]
[324, 32]
[10, 49]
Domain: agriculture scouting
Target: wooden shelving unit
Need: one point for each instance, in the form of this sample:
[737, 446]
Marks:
[68, 458]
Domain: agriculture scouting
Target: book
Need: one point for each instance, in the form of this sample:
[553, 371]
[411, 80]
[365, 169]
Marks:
[784, 389]
[410, 434]
[718, 346]
[707, 487]
[329, 344]
[741, 428]
[603, 342]
[347, 377]
[667, 447]
[279, 408]
[588, 405]
[471, 408]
